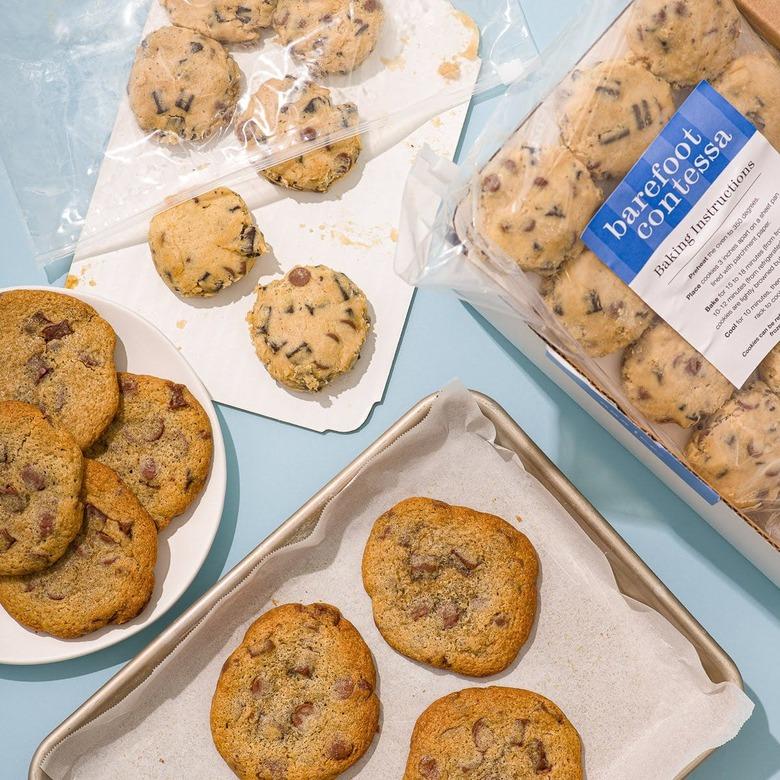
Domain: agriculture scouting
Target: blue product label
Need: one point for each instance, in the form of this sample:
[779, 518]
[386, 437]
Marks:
[675, 172]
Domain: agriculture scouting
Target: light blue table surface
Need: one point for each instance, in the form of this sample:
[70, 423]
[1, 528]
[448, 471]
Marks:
[273, 468]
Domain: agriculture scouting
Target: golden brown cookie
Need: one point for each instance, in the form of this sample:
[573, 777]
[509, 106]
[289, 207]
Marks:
[40, 485]
[333, 36]
[229, 21]
[206, 243]
[502, 733]
[58, 355]
[309, 327]
[450, 586]
[296, 699]
[105, 576]
[159, 443]
[285, 113]
[737, 449]
[669, 381]
[183, 85]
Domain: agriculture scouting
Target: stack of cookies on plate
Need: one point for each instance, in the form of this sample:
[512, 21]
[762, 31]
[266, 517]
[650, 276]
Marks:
[451, 588]
[92, 464]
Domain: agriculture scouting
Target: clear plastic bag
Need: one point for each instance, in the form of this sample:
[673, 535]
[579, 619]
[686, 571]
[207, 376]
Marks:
[503, 228]
[195, 113]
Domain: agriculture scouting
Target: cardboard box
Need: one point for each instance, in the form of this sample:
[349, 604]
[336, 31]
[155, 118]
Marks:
[736, 529]
[764, 15]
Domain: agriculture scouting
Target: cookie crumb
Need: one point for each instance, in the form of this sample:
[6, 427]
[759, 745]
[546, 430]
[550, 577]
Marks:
[71, 282]
[450, 70]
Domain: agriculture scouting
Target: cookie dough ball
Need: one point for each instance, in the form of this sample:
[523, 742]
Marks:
[40, 487]
[752, 85]
[205, 244]
[284, 113]
[105, 576]
[611, 113]
[58, 355]
[684, 41]
[494, 732]
[296, 700]
[309, 327]
[450, 586]
[183, 85]
[595, 306]
[769, 370]
[737, 450]
[669, 381]
[334, 36]
[534, 204]
[229, 21]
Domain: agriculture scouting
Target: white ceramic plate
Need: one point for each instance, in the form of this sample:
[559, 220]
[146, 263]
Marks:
[183, 545]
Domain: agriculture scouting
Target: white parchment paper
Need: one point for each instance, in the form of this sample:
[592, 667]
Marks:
[631, 684]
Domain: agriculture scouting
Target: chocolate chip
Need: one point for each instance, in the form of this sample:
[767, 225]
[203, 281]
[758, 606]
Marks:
[35, 322]
[149, 469]
[538, 756]
[11, 501]
[613, 92]
[308, 134]
[6, 540]
[38, 367]
[371, 6]
[344, 687]
[89, 360]
[694, 365]
[450, 615]
[299, 277]
[109, 560]
[463, 562]
[334, 337]
[594, 302]
[340, 749]
[177, 399]
[106, 538]
[154, 430]
[161, 109]
[517, 738]
[302, 670]
[428, 768]
[33, 478]
[257, 686]
[184, 102]
[56, 330]
[605, 139]
[301, 712]
[349, 323]
[261, 648]
[195, 47]
[491, 183]
[45, 524]
[482, 735]
[422, 564]
[128, 384]
[420, 609]
[93, 514]
[541, 182]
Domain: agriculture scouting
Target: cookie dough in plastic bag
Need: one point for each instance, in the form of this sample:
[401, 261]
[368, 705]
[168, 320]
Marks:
[504, 228]
[213, 92]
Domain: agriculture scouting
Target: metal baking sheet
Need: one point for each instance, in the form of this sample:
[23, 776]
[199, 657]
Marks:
[633, 576]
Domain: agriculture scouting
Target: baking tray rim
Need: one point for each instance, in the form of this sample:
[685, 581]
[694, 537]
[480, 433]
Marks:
[617, 550]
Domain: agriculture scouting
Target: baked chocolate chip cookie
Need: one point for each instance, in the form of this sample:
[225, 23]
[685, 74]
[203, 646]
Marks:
[737, 449]
[229, 21]
[58, 355]
[534, 203]
[183, 85]
[595, 306]
[684, 41]
[610, 113]
[284, 113]
[494, 733]
[450, 586]
[105, 576]
[669, 381]
[40, 486]
[333, 36]
[206, 243]
[309, 327]
[159, 443]
[296, 699]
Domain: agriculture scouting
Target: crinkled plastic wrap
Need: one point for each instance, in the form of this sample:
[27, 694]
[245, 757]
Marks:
[508, 221]
[211, 92]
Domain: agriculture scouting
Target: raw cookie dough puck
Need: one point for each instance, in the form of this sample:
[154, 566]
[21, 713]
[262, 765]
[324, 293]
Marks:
[309, 327]
[611, 113]
[159, 443]
[285, 113]
[684, 41]
[105, 576]
[334, 36]
[450, 586]
[669, 381]
[737, 449]
[752, 85]
[595, 306]
[494, 733]
[205, 244]
[229, 21]
[58, 355]
[183, 85]
[40, 486]
[769, 370]
[534, 203]
[296, 699]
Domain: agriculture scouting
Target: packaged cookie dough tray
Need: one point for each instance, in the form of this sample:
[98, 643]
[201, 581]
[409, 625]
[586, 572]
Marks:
[646, 688]
[619, 219]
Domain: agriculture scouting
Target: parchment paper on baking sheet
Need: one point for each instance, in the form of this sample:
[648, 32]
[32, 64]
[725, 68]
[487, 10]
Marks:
[352, 228]
[631, 684]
